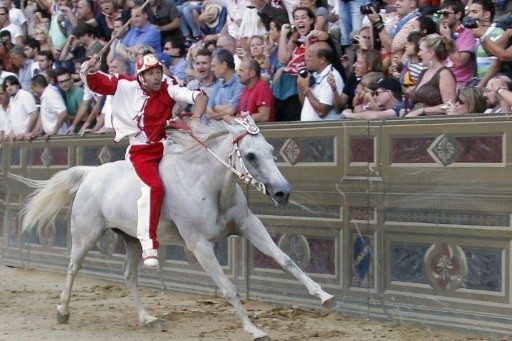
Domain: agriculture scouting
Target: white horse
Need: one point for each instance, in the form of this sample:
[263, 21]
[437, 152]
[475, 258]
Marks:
[203, 203]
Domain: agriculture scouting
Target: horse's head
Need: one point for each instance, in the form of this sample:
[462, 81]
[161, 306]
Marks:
[258, 157]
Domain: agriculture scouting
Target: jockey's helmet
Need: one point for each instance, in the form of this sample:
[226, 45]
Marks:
[147, 62]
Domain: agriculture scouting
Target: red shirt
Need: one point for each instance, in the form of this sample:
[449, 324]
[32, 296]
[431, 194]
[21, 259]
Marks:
[252, 98]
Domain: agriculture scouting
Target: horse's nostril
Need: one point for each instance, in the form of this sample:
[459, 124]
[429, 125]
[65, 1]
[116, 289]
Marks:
[282, 195]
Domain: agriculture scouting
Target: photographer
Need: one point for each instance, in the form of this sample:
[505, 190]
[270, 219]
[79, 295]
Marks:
[394, 34]
[315, 92]
[501, 48]
[481, 14]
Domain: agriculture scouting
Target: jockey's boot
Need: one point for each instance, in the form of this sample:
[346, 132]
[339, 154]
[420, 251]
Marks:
[150, 258]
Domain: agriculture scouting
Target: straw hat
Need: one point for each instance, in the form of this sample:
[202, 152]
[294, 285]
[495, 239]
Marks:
[215, 9]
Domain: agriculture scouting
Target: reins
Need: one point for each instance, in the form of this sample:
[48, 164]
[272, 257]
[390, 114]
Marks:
[250, 129]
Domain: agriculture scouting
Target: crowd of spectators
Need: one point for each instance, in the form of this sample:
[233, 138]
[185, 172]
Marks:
[276, 60]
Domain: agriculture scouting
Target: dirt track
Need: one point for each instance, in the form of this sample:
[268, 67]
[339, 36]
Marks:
[103, 311]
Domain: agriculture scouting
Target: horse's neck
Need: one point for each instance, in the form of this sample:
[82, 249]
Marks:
[207, 159]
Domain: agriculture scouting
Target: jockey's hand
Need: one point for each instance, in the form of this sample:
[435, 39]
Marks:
[93, 65]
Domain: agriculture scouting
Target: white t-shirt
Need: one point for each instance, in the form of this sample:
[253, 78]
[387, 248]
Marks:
[322, 91]
[19, 110]
[52, 105]
[17, 17]
[15, 31]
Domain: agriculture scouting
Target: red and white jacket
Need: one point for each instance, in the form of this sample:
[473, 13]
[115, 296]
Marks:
[141, 115]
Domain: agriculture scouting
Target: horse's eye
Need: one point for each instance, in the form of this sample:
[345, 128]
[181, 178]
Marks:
[251, 157]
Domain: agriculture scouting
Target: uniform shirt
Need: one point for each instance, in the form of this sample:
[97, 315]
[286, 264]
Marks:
[138, 114]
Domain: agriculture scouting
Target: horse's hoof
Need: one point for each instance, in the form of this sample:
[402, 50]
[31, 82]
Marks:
[263, 338]
[157, 325]
[62, 318]
[328, 302]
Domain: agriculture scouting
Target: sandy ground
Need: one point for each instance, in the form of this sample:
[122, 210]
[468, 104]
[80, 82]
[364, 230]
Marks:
[103, 311]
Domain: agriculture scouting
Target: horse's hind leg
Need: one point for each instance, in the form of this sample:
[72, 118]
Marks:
[205, 255]
[131, 266]
[79, 248]
[253, 230]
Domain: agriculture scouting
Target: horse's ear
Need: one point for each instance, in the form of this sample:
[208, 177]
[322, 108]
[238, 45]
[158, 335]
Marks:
[231, 127]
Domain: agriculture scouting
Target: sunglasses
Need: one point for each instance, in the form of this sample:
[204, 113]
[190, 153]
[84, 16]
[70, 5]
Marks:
[445, 13]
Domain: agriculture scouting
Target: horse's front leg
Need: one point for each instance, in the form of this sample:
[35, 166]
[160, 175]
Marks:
[203, 251]
[133, 251]
[253, 230]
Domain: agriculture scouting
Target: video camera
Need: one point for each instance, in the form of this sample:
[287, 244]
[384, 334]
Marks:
[367, 9]
[470, 23]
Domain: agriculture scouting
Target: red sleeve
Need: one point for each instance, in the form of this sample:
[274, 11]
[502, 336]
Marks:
[102, 83]
[265, 96]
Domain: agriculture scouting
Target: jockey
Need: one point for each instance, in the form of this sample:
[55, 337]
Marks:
[141, 108]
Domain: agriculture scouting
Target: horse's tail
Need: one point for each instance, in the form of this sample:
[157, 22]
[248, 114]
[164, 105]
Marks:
[50, 196]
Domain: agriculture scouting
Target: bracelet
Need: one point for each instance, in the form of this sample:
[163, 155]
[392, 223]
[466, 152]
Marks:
[379, 25]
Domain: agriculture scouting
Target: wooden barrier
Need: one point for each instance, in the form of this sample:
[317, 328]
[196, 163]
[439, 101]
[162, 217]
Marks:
[408, 220]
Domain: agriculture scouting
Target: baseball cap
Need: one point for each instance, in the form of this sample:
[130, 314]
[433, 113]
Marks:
[164, 59]
[388, 83]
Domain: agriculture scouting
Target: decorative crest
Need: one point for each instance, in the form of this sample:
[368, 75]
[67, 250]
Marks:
[248, 124]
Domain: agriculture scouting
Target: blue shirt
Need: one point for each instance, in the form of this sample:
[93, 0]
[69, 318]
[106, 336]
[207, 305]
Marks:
[178, 70]
[400, 106]
[226, 93]
[148, 35]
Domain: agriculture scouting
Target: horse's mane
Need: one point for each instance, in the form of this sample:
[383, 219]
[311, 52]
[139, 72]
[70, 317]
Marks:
[202, 131]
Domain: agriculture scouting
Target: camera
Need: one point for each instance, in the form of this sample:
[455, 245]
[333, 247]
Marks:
[470, 23]
[367, 9]
[303, 73]
[355, 41]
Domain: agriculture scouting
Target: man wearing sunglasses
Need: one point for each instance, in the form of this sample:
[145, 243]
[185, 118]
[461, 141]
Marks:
[462, 61]
[387, 93]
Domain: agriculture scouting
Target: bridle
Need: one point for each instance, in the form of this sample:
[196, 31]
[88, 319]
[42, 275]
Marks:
[244, 175]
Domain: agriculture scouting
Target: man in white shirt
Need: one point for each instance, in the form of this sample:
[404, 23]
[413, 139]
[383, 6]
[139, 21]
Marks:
[53, 111]
[5, 24]
[16, 16]
[22, 111]
[314, 91]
